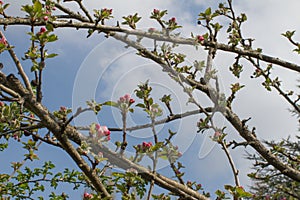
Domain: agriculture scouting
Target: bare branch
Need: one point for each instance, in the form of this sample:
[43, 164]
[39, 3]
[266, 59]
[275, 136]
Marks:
[162, 121]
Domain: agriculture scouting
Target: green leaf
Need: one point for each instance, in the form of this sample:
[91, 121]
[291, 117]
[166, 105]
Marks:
[52, 38]
[52, 55]
[150, 101]
[208, 11]
[244, 17]
[3, 146]
[49, 27]
[242, 193]
[229, 188]
[6, 6]
[288, 34]
[164, 157]
[111, 103]
[37, 7]
[140, 105]
[27, 9]
[220, 194]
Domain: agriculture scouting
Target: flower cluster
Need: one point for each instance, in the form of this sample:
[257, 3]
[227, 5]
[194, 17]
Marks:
[50, 7]
[218, 136]
[62, 113]
[99, 132]
[157, 14]
[125, 102]
[87, 195]
[191, 184]
[48, 11]
[103, 14]
[106, 11]
[155, 111]
[131, 20]
[144, 147]
[172, 24]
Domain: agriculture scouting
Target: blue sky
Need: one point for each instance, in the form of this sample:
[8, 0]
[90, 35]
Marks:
[104, 70]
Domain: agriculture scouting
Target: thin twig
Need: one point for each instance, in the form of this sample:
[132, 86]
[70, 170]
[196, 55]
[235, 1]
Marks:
[19, 67]
[86, 12]
[162, 121]
[233, 168]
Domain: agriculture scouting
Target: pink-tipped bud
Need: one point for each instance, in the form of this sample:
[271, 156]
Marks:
[173, 19]
[131, 101]
[97, 126]
[127, 97]
[122, 99]
[155, 11]
[200, 38]
[43, 30]
[87, 195]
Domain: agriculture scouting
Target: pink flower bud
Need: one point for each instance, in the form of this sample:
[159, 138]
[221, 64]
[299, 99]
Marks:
[127, 97]
[16, 136]
[105, 130]
[155, 11]
[131, 101]
[217, 134]
[108, 138]
[122, 99]
[3, 40]
[45, 18]
[173, 19]
[1, 104]
[151, 30]
[63, 108]
[97, 126]
[200, 38]
[87, 195]
[43, 30]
